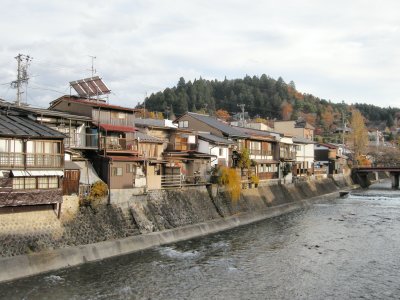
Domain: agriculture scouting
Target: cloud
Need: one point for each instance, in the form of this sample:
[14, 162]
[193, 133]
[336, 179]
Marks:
[335, 50]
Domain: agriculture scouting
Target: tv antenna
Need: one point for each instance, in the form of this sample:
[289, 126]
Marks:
[93, 69]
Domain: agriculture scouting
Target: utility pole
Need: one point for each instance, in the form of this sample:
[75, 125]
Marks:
[23, 62]
[144, 106]
[242, 113]
[343, 123]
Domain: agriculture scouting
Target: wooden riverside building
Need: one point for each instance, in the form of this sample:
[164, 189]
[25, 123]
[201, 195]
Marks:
[31, 163]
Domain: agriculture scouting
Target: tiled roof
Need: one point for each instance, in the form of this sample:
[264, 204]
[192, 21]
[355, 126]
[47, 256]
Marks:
[301, 140]
[23, 109]
[257, 133]
[147, 138]
[215, 139]
[213, 122]
[329, 146]
[152, 123]
[18, 126]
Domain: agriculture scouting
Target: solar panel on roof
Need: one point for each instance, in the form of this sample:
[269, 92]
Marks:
[89, 87]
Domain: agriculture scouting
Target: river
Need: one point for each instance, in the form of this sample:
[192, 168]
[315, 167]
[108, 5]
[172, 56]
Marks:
[337, 249]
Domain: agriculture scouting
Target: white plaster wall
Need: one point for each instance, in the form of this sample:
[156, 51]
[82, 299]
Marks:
[306, 153]
[286, 140]
[204, 146]
[215, 151]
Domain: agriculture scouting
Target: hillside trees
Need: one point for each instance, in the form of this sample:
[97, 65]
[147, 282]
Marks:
[263, 96]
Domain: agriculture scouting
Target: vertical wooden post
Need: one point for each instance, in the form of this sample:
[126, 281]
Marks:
[59, 210]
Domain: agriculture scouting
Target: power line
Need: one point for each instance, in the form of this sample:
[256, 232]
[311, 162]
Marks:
[46, 89]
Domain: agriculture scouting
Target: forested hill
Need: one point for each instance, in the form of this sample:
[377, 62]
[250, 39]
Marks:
[263, 97]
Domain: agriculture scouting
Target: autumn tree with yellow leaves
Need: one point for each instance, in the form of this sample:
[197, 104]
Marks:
[358, 138]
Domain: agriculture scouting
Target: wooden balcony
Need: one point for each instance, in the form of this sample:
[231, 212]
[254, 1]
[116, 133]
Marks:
[115, 144]
[260, 152]
[12, 160]
[106, 117]
[177, 146]
[30, 160]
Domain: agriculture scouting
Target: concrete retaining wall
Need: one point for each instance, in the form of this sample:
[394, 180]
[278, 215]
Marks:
[159, 218]
[27, 265]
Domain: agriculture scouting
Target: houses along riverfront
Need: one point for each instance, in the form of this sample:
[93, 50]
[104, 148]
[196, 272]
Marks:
[85, 171]
[61, 151]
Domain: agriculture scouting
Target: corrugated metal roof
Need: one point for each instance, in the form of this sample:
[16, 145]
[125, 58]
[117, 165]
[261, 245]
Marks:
[125, 158]
[92, 103]
[18, 126]
[117, 128]
[70, 165]
[213, 122]
[22, 173]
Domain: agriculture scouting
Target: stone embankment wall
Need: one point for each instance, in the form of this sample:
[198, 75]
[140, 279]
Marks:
[35, 231]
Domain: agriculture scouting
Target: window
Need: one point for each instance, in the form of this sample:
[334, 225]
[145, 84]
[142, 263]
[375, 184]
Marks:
[11, 152]
[53, 182]
[118, 115]
[9, 145]
[30, 183]
[266, 148]
[48, 182]
[43, 147]
[43, 153]
[183, 124]
[221, 151]
[255, 145]
[117, 171]
[130, 168]
[18, 183]
[270, 168]
[42, 183]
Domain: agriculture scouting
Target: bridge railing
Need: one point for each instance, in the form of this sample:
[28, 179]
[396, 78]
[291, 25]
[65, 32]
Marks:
[377, 165]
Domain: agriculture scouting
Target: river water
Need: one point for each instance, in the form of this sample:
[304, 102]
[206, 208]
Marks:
[337, 249]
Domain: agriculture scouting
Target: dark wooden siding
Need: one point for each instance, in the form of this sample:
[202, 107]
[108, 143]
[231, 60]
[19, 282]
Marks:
[30, 197]
[71, 182]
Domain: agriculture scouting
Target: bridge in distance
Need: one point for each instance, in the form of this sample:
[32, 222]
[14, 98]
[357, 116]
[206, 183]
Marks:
[361, 174]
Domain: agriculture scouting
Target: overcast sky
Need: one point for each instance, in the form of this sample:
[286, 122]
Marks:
[336, 50]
